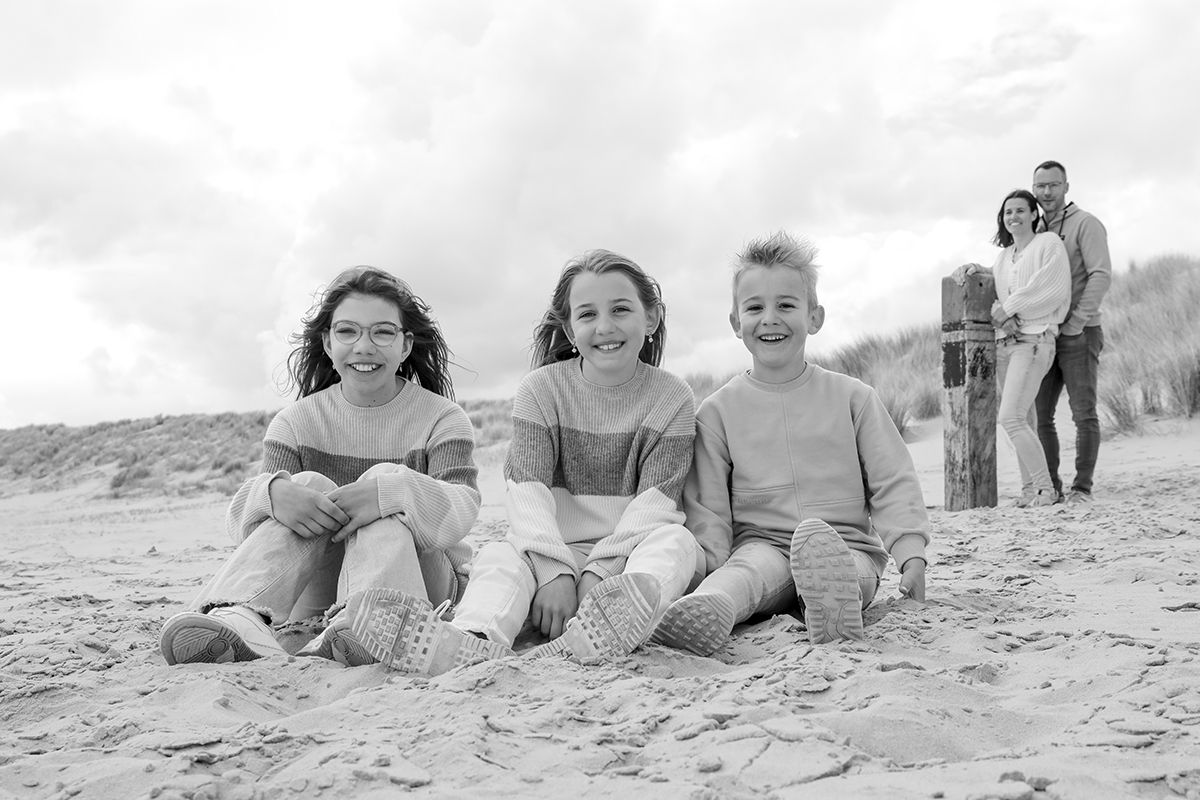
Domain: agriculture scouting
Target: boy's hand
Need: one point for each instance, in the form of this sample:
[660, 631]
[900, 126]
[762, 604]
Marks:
[360, 502]
[553, 605]
[912, 579]
[304, 511]
[587, 581]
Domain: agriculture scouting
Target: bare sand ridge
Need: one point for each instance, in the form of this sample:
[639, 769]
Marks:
[1058, 655]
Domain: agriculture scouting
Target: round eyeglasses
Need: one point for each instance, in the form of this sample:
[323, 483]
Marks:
[383, 334]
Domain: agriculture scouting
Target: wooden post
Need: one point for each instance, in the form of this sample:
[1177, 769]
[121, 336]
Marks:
[969, 378]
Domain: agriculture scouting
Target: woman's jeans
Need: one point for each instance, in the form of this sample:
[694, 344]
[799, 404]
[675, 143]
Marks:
[1021, 362]
[285, 576]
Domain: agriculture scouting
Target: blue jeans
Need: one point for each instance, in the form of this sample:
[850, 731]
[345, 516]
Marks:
[1021, 362]
[1076, 366]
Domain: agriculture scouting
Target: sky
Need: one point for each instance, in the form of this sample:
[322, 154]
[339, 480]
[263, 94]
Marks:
[179, 180]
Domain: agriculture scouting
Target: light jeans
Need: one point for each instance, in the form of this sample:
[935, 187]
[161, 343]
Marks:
[1021, 362]
[758, 579]
[282, 575]
[496, 603]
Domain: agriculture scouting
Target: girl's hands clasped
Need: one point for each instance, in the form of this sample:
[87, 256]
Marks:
[304, 511]
[360, 501]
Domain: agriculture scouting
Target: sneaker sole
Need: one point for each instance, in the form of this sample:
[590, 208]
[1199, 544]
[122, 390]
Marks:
[613, 620]
[404, 633]
[698, 623]
[827, 581]
[195, 638]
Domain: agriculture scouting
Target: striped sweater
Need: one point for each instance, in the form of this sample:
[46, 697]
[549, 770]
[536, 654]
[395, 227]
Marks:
[426, 434]
[1037, 288]
[599, 465]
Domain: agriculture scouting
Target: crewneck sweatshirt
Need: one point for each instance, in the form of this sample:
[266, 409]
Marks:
[426, 434]
[594, 464]
[822, 445]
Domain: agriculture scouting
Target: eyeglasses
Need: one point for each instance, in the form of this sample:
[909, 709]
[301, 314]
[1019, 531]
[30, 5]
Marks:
[383, 334]
[1041, 187]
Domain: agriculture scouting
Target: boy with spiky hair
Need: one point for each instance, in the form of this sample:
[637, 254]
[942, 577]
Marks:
[801, 486]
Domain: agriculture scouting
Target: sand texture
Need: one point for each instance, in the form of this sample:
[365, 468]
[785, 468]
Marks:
[1057, 656]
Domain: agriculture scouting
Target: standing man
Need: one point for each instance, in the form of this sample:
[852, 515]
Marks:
[1077, 358]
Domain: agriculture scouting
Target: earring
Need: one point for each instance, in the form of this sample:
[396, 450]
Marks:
[574, 350]
[650, 338]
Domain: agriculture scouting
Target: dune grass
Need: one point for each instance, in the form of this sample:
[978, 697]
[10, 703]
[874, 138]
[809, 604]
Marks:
[1150, 367]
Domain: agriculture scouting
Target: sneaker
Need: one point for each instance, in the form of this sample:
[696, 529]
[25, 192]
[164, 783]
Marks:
[615, 618]
[224, 634]
[406, 633]
[1042, 498]
[700, 623]
[337, 643]
[827, 581]
[1078, 497]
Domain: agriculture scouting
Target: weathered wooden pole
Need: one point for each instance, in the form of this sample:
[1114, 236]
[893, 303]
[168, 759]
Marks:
[969, 378]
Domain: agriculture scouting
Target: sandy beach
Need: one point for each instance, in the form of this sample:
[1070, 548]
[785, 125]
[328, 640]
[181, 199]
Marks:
[1057, 656]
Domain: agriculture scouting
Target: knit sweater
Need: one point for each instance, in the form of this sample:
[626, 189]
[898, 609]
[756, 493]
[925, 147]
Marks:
[1037, 287]
[429, 436]
[603, 465]
[821, 445]
[1091, 267]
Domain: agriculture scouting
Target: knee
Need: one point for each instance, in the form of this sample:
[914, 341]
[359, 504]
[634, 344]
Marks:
[314, 480]
[386, 468]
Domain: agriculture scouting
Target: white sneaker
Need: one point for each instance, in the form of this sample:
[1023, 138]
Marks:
[700, 623]
[338, 643]
[224, 634]
[614, 619]
[827, 582]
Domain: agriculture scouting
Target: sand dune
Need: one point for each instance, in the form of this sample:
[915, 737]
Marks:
[1058, 655]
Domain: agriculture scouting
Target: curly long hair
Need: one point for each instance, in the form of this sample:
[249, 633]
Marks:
[550, 340]
[1003, 238]
[309, 368]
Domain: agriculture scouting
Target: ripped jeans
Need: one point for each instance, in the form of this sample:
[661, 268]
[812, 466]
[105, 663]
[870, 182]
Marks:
[1021, 362]
[284, 576]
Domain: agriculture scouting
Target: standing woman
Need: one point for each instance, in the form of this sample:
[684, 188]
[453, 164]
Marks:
[1033, 294]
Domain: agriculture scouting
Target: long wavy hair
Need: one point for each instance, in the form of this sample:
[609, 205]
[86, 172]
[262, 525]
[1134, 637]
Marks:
[550, 340]
[309, 368]
[1003, 238]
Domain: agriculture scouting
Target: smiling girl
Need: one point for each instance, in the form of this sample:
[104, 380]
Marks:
[367, 481]
[602, 442]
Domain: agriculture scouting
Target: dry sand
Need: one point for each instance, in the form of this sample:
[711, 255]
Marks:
[1057, 655]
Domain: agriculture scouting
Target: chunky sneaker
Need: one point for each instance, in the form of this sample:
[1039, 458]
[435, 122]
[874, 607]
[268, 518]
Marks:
[700, 623]
[1042, 498]
[827, 582]
[337, 643]
[1078, 497]
[406, 633]
[614, 619]
[224, 634]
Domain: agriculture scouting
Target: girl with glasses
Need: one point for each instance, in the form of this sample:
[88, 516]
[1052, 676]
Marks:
[368, 482]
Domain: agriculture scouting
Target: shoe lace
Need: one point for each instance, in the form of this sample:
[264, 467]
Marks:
[443, 610]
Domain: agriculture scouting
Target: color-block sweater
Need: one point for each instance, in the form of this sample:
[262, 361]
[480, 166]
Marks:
[595, 464]
[822, 445]
[434, 494]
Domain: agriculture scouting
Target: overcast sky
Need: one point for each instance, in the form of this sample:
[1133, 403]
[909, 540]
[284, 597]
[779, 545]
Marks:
[177, 179]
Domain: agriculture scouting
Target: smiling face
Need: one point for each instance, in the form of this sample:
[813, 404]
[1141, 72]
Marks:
[1018, 217]
[773, 319]
[608, 325]
[368, 371]
[1050, 188]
